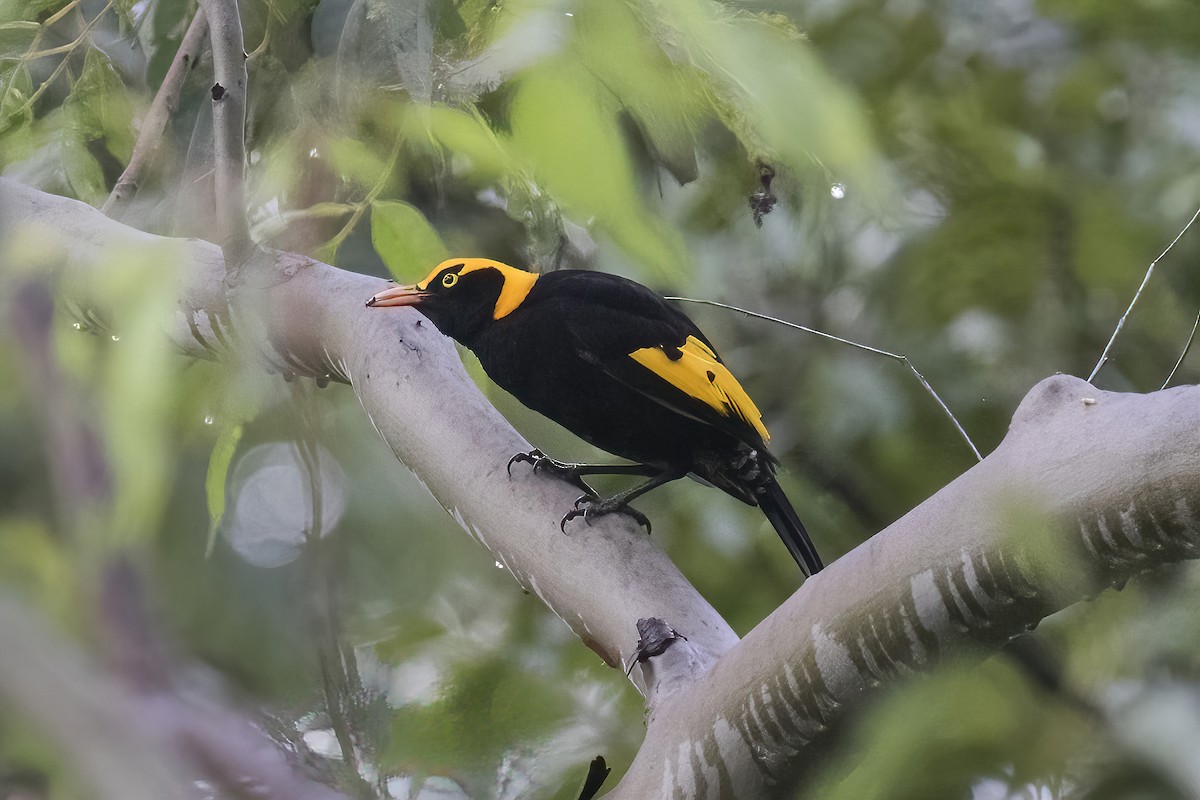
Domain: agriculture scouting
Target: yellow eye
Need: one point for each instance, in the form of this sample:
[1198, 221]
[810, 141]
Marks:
[449, 279]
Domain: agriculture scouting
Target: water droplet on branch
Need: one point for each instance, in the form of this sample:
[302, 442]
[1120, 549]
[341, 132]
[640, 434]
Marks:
[837, 191]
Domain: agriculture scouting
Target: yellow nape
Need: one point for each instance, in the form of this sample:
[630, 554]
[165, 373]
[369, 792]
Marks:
[697, 373]
[516, 286]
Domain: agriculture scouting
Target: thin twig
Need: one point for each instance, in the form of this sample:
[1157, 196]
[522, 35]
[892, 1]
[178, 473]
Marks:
[1136, 295]
[903, 359]
[229, 130]
[33, 46]
[165, 104]
[62, 65]
[1183, 355]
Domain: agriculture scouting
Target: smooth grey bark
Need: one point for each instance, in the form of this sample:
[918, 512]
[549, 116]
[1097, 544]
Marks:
[1089, 488]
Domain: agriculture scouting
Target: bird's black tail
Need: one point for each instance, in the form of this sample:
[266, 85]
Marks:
[783, 517]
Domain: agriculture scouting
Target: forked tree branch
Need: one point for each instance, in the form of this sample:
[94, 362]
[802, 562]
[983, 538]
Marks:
[165, 104]
[1088, 489]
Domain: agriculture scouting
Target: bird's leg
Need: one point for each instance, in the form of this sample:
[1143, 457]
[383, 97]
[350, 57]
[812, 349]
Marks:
[589, 506]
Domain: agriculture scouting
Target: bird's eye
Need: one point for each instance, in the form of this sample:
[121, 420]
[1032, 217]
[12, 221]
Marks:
[449, 279]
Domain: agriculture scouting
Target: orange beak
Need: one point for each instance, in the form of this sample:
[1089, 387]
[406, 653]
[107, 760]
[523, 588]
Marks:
[397, 296]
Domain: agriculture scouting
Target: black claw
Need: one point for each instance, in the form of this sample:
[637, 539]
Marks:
[533, 457]
[638, 517]
[590, 508]
[567, 517]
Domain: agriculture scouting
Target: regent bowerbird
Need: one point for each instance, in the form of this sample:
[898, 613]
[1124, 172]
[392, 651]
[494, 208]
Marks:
[620, 367]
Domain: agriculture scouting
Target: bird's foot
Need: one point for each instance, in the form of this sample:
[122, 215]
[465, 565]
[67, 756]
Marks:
[589, 507]
[544, 463]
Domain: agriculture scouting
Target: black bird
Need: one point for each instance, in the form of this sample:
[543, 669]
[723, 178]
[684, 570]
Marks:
[621, 368]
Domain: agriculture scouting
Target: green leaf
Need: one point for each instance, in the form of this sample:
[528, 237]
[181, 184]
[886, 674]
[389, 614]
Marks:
[276, 225]
[391, 43]
[214, 483]
[82, 172]
[16, 36]
[405, 240]
[101, 108]
[27, 9]
[564, 124]
[665, 99]
[466, 133]
[355, 160]
[772, 90]
[17, 87]
[134, 369]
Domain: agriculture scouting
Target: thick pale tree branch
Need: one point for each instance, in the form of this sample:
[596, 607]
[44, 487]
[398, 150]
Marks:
[303, 316]
[165, 104]
[1088, 489]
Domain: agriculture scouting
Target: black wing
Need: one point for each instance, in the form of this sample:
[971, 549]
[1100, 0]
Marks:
[641, 340]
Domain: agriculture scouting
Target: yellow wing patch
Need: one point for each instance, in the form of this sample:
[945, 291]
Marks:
[697, 373]
[516, 287]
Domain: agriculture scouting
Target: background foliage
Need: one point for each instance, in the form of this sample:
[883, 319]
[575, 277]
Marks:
[979, 186]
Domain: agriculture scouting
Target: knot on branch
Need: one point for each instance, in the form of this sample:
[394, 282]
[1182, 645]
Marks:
[1052, 397]
[654, 637]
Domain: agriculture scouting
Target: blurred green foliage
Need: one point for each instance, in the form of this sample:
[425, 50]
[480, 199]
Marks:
[1006, 170]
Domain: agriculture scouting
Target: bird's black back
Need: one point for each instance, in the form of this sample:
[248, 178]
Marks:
[565, 352]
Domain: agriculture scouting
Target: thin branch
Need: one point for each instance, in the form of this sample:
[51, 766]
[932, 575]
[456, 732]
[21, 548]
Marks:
[1136, 296]
[359, 208]
[1188, 346]
[229, 131]
[62, 65]
[165, 104]
[33, 46]
[903, 359]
